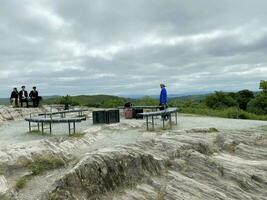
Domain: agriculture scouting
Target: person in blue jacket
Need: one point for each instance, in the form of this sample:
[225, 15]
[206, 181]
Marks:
[163, 100]
[163, 95]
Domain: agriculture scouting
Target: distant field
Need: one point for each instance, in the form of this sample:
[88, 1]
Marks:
[90, 100]
[4, 101]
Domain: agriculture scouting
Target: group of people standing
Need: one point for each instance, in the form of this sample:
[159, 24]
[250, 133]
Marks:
[23, 97]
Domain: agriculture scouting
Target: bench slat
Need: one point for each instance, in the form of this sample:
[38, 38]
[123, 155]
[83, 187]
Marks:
[158, 113]
[62, 112]
[54, 120]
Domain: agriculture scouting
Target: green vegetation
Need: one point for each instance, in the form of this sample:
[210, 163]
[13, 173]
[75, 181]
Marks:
[35, 132]
[258, 105]
[37, 167]
[4, 101]
[97, 101]
[2, 171]
[21, 182]
[213, 130]
[148, 101]
[263, 86]
[244, 104]
[77, 135]
[41, 165]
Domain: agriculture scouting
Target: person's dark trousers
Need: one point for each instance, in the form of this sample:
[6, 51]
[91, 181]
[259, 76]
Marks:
[16, 102]
[35, 102]
[163, 107]
[24, 101]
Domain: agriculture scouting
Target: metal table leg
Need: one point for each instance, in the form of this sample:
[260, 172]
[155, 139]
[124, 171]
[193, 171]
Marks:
[69, 129]
[42, 127]
[170, 118]
[176, 121]
[147, 123]
[30, 127]
[153, 126]
[50, 128]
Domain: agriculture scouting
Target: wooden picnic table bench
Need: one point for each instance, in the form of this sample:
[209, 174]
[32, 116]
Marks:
[168, 111]
[64, 112]
[50, 121]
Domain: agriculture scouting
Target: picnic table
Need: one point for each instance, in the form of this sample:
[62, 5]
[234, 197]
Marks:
[64, 112]
[168, 111]
[49, 121]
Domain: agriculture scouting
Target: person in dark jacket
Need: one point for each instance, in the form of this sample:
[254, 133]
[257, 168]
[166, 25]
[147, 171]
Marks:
[34, 97]
[163, 100]
[14, 97]
[23, 97]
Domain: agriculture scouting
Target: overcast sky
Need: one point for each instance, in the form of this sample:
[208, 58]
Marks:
[131, 46]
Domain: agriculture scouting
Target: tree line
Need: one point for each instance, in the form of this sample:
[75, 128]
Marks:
[245, 100]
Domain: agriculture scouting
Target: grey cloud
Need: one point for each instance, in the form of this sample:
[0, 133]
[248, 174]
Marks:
[129, 47]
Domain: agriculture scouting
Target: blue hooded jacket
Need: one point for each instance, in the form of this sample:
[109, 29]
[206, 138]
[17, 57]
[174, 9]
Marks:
[163, 96]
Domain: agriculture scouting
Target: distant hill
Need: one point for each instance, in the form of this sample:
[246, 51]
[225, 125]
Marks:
[113, 101]
[94, 100]
[4, 101]
[193, 97]
[198, 97]
[89, 100]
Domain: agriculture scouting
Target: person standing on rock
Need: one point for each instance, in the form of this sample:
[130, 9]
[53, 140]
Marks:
[34, 97]
[23, 97]
[163, 100]
[14, 97]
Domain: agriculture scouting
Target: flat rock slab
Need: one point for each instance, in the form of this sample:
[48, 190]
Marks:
[3, 186]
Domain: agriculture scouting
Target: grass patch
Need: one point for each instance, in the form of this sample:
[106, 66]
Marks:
[225, 113]
[38, 167]
[213, 130]
[21, 182]
[41, 165]
[2, 171]
[35, 132]
[77, 135]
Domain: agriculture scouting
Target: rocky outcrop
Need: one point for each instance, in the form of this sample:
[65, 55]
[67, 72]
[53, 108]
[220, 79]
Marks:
[9, 113]
[199, 163]
[189, 167]
[3, 187]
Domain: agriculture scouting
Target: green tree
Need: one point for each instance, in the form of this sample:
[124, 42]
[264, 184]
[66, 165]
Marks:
[113, 103]
[220, 100]
[148, 101]
[258, 105]
[263, 86]
[243, 97]
[67, 100]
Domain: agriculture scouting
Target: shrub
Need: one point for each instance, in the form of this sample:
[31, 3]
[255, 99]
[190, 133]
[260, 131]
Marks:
[263, 86]
[220, 100]
[243, 97]
[148, 101]
[112, 103]
[258, 105]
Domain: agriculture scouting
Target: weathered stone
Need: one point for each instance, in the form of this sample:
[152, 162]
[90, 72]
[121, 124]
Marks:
[193, 173]
[3, 186]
